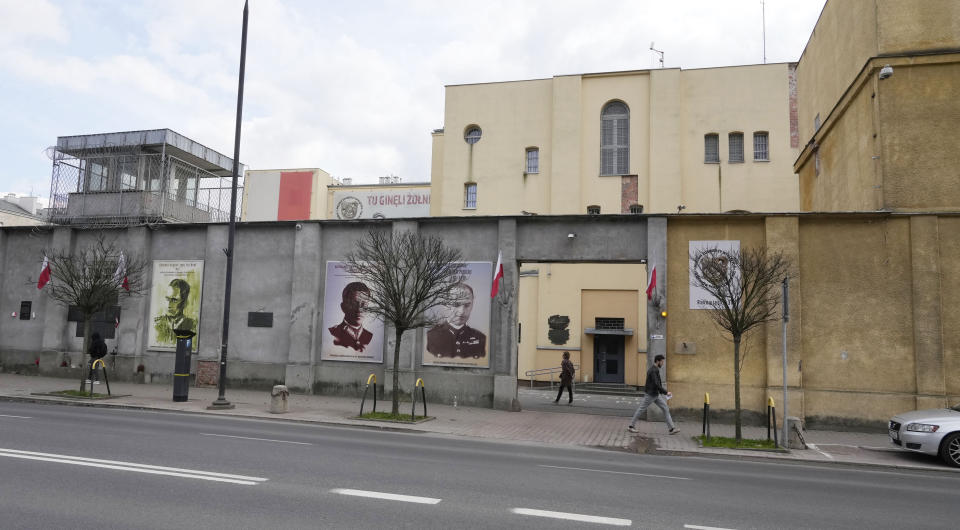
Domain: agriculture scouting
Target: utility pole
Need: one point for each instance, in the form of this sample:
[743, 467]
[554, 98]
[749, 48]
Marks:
[763, 11]
[786, 318]
[221, 401]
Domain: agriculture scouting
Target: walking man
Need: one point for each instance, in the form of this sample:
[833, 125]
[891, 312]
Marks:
[566, 377]
[655, 392]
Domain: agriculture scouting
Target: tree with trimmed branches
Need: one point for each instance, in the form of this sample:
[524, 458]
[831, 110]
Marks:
[408, 275]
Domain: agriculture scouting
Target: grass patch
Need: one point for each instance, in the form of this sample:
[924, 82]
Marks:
[78, 393]
[387, 416]
[731, 443]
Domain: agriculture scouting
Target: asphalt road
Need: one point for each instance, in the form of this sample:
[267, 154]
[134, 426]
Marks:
[78, 467]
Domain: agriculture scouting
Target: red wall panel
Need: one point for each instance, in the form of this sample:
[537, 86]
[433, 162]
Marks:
[293, 203]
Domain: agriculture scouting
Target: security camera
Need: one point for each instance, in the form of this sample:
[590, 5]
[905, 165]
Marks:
[571, 235]
[299, 226]
[886, 71]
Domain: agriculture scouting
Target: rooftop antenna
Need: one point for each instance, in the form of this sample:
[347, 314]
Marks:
[658, 51]
[763, 11]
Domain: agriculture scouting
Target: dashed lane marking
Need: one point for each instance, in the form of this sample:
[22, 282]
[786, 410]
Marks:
[615, 472]
[613, 521]
[132, 466]
[256, 439]
[385, 496]
[696, 527]
[11, 416]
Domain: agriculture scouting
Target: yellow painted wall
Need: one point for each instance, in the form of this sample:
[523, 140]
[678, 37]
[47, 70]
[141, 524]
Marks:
[613, 304]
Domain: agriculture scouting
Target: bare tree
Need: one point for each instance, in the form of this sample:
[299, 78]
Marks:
[408, 275]
[743, 284]
[92, 279]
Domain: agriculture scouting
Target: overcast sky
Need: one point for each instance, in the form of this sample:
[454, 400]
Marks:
[353, 88]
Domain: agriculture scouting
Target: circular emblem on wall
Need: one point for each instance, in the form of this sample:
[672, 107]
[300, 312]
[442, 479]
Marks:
[349, 208]
[714, 265]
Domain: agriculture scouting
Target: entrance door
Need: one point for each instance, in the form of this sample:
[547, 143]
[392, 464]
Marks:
[608, 358]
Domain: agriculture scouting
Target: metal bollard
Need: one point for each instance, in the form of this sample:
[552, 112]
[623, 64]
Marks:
[706, 415]
[373, 377]
[278, 399]
[772, 421]
[423, 395]
[181, 371]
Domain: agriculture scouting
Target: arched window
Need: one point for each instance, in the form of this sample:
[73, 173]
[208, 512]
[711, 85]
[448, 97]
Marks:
[615, 139]
[472, 134]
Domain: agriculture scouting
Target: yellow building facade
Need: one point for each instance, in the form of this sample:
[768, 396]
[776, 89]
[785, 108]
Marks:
[879, 104]
[646, 141]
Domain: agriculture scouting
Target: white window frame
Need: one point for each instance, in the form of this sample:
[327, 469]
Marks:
[761, 154]
[470, 196]
[734, 155]
[615, 139]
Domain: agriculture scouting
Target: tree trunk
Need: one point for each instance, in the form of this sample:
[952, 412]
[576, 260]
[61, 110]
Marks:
[396, 372]
[736, 388]
[83, 352]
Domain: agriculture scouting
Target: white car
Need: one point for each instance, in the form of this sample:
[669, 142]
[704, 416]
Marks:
[934, 432]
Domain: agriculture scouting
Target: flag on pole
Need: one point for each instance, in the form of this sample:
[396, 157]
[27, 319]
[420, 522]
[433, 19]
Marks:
[120, 275]
[497, 274]
[44, 273]
[652, 282]
[116, 321]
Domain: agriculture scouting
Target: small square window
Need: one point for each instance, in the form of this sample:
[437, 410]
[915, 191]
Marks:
[533, 160]
[636, 208]
[711, 149]
[593, 209]
[761, 147]
[470, 196]
[736, 147]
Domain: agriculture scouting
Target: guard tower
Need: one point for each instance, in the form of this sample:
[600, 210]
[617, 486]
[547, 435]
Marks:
[123, 178]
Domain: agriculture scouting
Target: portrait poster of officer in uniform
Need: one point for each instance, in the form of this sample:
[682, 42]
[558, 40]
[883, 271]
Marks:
[349, 332]
[459, 338]
[175, 295]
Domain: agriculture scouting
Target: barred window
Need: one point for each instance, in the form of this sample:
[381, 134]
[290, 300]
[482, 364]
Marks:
[593, 209]
[761, 146]
[711, 148]
[735, 141]
[636, 208]
[615, 139]
[470, 196]
[533, 160]
[472, 134]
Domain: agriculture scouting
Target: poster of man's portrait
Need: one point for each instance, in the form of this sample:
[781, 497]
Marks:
[460, 335]
[175, 297]
[349, 332]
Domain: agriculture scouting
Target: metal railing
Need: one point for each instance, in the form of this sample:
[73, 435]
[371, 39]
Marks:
[543, 371]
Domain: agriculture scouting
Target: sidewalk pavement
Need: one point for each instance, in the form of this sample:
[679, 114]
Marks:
[565, 426]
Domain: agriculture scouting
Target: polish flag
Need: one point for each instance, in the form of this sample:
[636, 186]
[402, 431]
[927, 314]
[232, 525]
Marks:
[116, 322]
[120, 276]
[497, 274]
[652, 282]
[44, 274]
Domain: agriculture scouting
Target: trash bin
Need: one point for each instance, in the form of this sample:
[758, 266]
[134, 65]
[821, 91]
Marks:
[181, 368]
[278, 399]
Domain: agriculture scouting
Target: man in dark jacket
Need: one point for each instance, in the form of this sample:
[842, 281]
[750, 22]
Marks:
[654, 394]
[98, 350]
[567, 372]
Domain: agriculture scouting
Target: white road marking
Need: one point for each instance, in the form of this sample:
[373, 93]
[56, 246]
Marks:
[132, 466]
[695, 527]
[573, 517]
[814, 447]
[257, 439]
[386, 496]
[616, 472]
[10, 416]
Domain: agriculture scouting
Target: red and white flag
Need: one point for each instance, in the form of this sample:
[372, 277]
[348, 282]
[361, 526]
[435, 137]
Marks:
[116, 322]
[497, 274]
[652, 282]
[44, 274]
[120, 276]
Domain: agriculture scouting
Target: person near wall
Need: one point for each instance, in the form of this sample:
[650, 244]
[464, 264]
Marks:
[654, 394]
[567, 371]
[98, 350]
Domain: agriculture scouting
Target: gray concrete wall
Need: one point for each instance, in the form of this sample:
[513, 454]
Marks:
[280, 267]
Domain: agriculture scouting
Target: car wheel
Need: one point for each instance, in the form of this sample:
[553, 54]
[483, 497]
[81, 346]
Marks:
[950, 449]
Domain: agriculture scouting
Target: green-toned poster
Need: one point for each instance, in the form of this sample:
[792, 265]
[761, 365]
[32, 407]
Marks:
[174, 301]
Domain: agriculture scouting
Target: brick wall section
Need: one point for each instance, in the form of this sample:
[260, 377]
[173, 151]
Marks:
[794, 120]
[628, 192]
